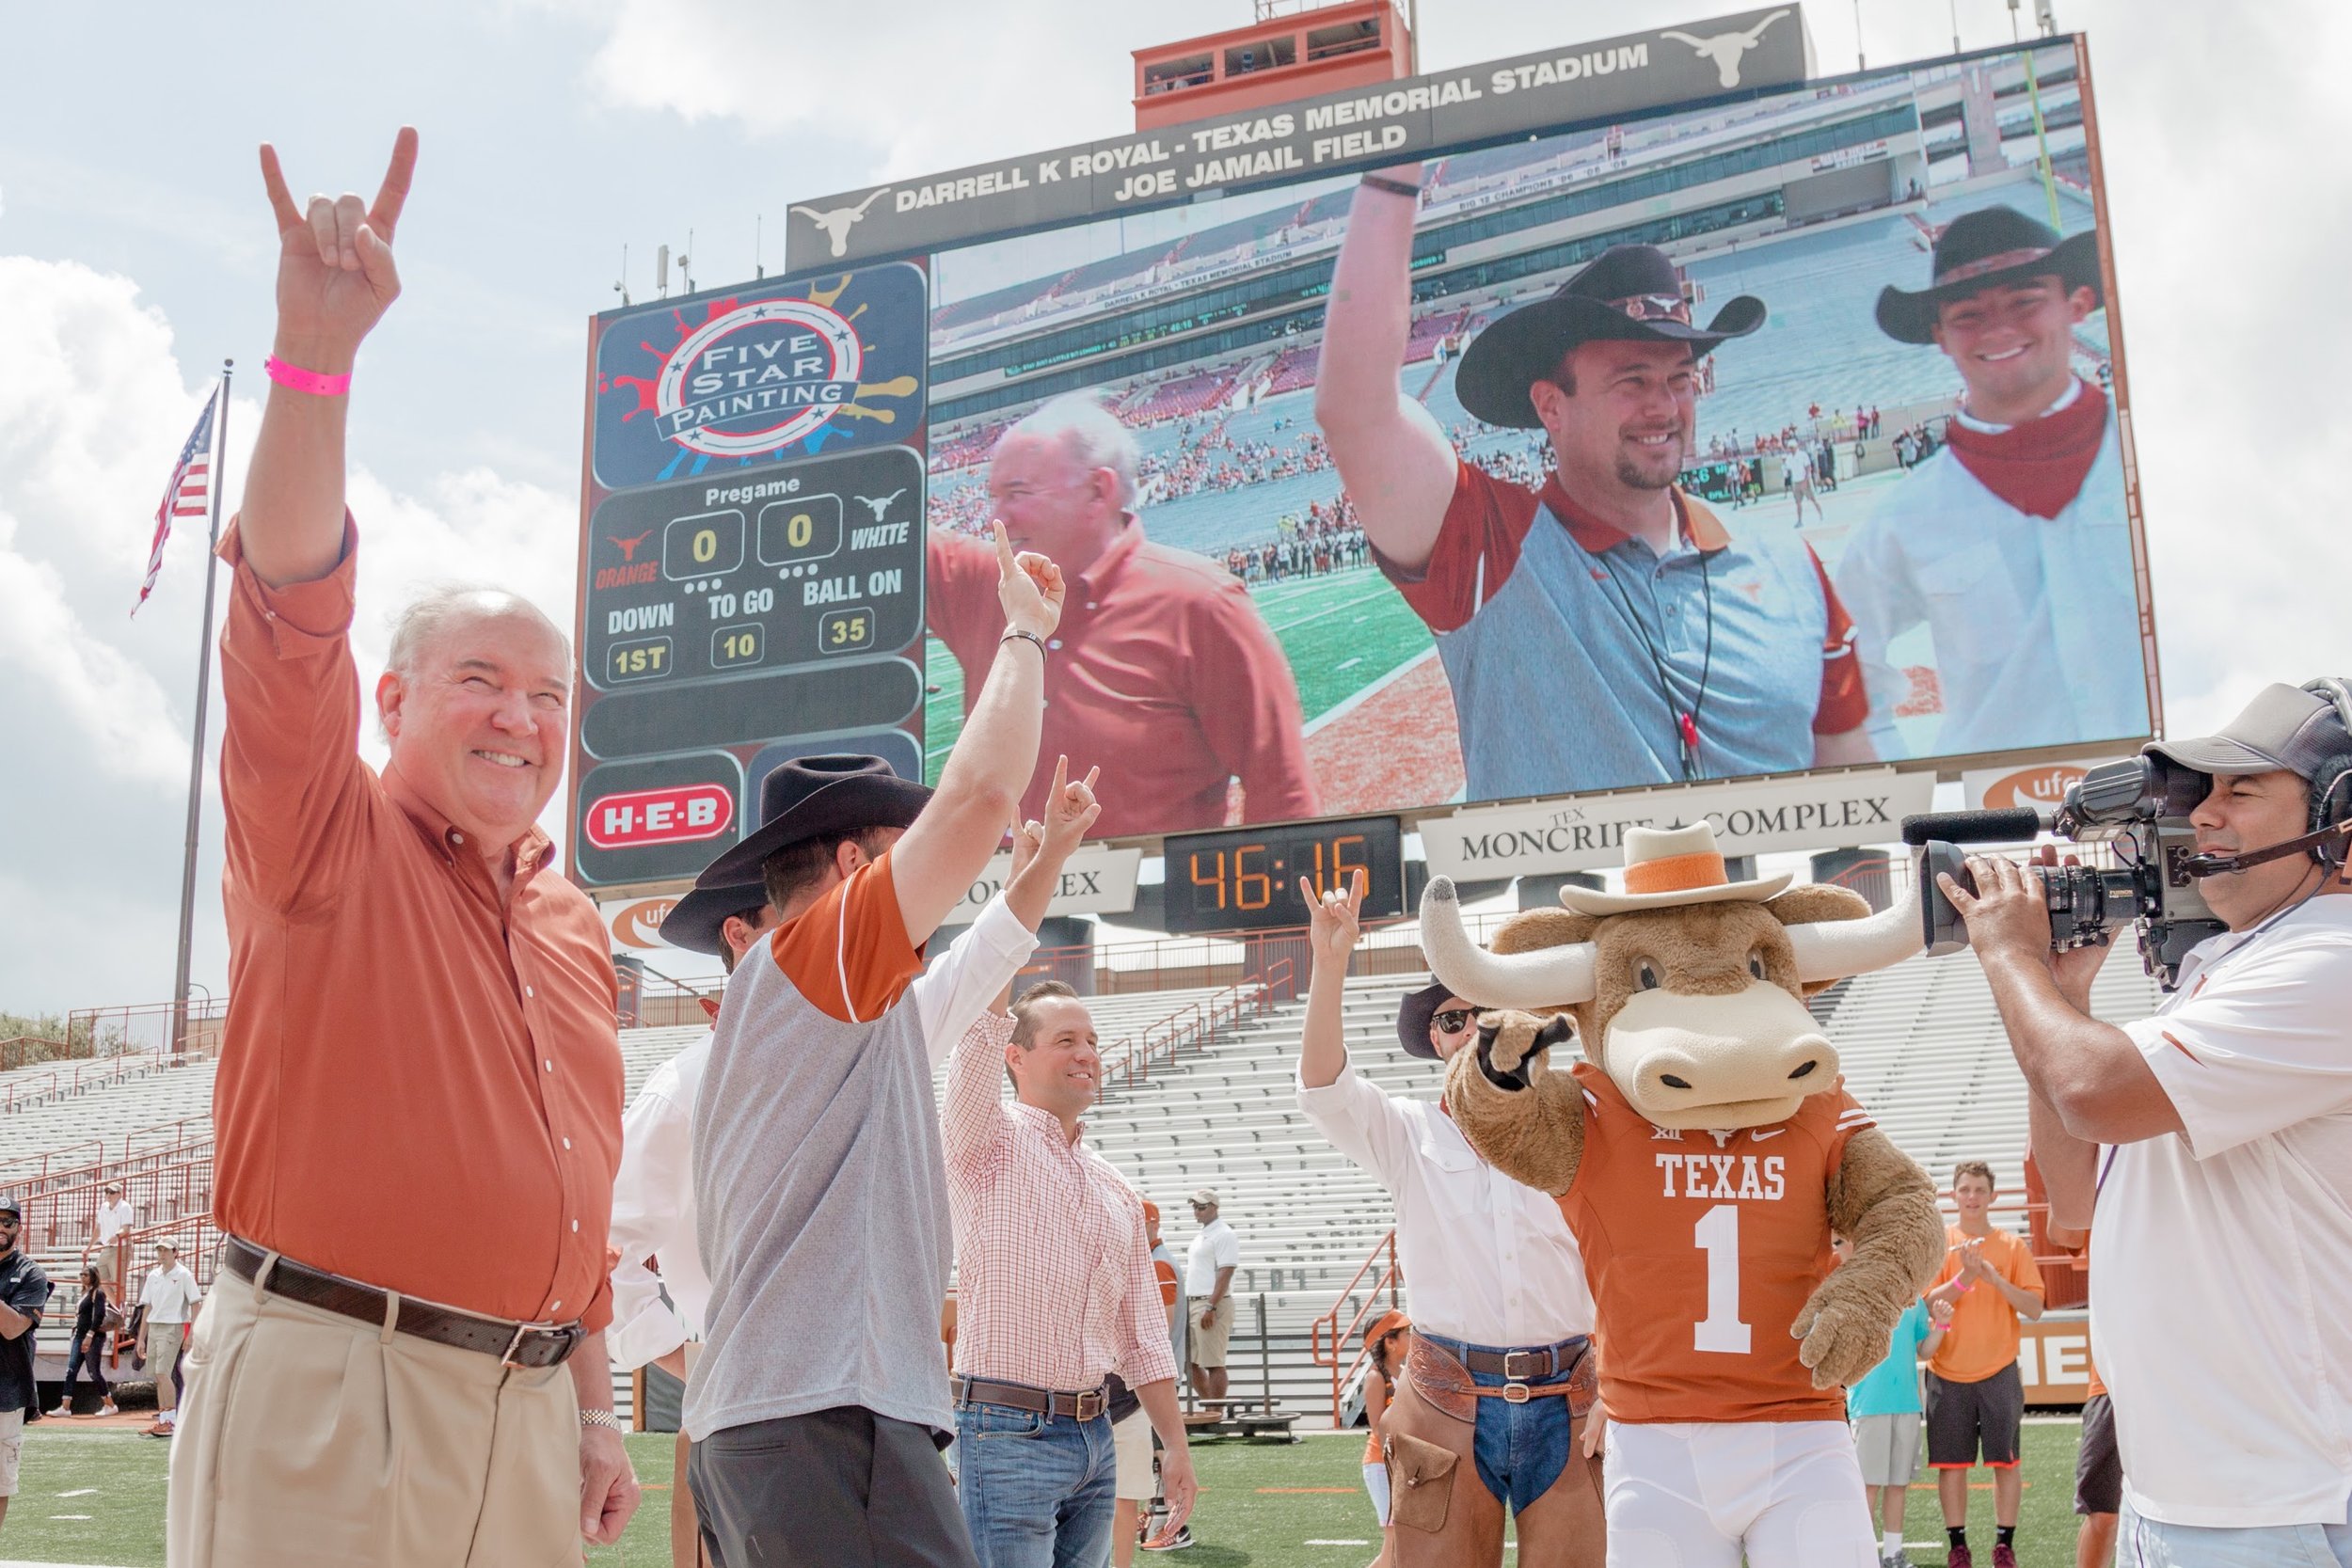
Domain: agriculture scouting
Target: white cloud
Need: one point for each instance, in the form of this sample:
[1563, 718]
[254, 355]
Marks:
[98, 707]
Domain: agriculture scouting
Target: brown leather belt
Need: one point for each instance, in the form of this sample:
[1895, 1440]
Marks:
[1078, 1407]
[1523, 1366]
[514, 1344]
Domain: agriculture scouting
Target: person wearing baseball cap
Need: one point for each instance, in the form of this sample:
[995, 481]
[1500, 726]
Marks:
[112, 1217]
[1493, 1404]
[1685, 648]
[2224, 1195]
[2010, 544]
[1210, 1264]
[815, 1131]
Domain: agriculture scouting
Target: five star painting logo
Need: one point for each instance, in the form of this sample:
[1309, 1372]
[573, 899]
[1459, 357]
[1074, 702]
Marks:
[758, 377]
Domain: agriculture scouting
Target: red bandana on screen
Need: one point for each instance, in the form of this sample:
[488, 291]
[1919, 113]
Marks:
[2038, 467]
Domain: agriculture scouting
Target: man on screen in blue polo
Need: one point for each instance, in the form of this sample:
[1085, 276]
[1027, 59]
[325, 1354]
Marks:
[2011, 543]
[1607, 628]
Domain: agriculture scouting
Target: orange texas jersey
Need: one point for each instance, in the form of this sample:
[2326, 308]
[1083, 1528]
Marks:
[1701, 1248]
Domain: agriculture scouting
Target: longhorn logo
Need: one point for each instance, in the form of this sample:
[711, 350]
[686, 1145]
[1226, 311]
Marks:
[836, 225]
[879, 505]
[1725, 49]
[629, 546]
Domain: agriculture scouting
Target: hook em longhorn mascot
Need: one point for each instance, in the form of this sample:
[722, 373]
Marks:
[1702, 1153]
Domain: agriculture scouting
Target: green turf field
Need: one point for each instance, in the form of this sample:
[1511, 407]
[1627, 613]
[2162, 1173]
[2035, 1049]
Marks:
[98, 1497]
[1340, 632]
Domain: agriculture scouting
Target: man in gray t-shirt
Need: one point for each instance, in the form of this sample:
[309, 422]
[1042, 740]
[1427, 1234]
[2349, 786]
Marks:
[819, 1403]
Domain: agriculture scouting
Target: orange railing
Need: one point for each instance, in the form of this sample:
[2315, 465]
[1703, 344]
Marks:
[1130, 1059]
[1326, 1327]
[39, 1089]
[152, 1028]
[24, 1049]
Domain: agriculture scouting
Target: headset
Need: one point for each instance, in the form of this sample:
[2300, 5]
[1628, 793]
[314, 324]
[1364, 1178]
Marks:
[2328, 832]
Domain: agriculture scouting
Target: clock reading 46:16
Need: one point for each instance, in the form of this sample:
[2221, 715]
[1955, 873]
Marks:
[1246, 878]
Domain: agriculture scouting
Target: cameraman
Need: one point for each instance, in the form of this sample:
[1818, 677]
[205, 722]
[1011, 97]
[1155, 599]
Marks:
[2224, 1201]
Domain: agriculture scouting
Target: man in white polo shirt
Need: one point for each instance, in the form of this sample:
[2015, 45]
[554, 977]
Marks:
[166, 1307]
[1209, 1267]
[2224, 1199]
[112, 1217]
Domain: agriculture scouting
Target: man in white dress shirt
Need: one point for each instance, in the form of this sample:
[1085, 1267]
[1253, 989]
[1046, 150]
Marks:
[1500, 1379]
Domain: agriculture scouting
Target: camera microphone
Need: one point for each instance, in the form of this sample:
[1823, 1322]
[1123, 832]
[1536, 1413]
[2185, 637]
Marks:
[2017, 825]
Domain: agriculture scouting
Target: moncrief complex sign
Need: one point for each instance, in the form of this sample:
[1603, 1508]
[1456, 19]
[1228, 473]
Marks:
[1336, 133]
[1768, 816]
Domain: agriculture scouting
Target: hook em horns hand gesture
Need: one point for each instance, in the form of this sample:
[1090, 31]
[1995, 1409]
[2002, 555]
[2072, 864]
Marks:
[335, 272]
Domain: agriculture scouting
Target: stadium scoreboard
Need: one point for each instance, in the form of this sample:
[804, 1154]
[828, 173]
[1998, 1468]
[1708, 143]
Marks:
[1246, 879]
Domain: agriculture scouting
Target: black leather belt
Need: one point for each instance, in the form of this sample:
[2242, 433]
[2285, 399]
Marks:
[1078, 1407]
[1524, 1366]
[514, 1344]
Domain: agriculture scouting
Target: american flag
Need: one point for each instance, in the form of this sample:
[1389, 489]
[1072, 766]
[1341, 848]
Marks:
[189, 494]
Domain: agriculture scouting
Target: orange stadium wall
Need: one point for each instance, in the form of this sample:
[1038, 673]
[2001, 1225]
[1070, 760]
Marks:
[1327, 49]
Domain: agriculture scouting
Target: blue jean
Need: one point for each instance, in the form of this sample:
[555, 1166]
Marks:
[1037, 1491]
[1520, 1448]
[2145, 1543]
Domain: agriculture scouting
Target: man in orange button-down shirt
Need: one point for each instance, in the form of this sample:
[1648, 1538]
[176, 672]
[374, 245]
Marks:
[418, 1103]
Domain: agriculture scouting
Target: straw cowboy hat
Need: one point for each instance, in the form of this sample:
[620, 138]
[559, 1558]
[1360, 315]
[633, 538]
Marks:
[1666, 866]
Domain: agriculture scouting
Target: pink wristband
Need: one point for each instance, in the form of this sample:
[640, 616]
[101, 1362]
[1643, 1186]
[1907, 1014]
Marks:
[297, 379]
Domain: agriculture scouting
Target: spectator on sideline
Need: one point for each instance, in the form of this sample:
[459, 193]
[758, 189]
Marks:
[1163, 667]
[2098, 1463]
[653, 1190]
[1131, 1438]
[1976, 1396]
[1500, 1298]
[2223, 1197]
[112, 1217]
[1625, 575]
[420, 1091]
[1385, 1343]
[23, 1295]
[89, 1342]
[1209, 1266]
[1884, 1410]
[815, 1131]
[167, 1303]
[1055, 1284]
[2012, 547]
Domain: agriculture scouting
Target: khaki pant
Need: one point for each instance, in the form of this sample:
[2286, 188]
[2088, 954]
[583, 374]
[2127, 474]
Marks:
[159, 1345]
[310, 1438]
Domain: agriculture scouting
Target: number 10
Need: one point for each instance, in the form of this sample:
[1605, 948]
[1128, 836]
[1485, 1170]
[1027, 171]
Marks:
[1718, 1236]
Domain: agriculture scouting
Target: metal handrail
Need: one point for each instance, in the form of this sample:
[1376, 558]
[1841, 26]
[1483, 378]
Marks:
[1389, 1279]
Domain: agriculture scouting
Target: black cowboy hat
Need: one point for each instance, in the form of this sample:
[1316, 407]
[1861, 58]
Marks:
[837, 793]
[1983, 251]
[697, 920]
[1413, 1020]
[1628, 293]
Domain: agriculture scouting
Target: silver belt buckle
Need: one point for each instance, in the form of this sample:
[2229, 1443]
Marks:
[514, 1345]
[1516, 1393]
[1517, 1373]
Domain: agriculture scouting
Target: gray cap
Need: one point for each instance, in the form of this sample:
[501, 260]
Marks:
[2285, 727]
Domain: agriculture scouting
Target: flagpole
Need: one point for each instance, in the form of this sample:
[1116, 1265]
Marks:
[203, 691]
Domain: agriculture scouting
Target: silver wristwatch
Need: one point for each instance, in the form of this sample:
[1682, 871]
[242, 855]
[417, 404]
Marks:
[604, 1419]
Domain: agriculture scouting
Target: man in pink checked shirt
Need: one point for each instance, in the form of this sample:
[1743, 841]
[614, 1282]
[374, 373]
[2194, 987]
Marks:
[1055, 1288]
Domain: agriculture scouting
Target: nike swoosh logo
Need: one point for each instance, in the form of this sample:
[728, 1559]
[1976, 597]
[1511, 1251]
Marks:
[1760, 1137]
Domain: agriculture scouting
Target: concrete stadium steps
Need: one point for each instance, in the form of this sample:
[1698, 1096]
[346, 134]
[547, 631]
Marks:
[107, 1110]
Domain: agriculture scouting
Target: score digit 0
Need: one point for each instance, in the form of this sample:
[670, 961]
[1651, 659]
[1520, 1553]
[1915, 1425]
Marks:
[802, 528]
[706, 544]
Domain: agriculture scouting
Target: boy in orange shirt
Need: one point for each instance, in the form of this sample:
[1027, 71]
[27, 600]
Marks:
[1975, 1398]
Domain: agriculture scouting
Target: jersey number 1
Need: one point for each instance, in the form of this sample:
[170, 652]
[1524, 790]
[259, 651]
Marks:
[1718, 1236]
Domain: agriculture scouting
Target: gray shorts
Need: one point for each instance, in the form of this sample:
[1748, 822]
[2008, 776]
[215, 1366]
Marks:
[1888, 1447]
[2098, 1463]
[843, 1487]
[1969, 1420]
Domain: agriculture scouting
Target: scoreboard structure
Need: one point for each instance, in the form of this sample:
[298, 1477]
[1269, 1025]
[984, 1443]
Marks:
[752, 582]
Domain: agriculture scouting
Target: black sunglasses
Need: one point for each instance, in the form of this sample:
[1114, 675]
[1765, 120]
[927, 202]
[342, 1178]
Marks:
[1453, 1021]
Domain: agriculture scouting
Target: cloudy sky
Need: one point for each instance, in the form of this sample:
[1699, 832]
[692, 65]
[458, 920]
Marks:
[136, 253]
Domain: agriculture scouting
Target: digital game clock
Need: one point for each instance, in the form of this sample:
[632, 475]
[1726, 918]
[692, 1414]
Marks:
[1246, 878]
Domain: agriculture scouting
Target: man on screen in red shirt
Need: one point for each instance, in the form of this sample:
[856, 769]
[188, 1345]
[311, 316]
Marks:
[1162, 666]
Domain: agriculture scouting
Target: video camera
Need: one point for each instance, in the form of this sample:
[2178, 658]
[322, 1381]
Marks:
[2139, 805]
